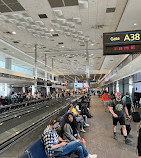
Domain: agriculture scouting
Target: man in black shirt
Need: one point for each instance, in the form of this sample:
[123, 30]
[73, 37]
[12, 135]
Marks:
[117, 108]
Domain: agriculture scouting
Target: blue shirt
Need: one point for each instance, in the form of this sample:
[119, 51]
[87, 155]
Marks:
[124, 98]
[56, 140]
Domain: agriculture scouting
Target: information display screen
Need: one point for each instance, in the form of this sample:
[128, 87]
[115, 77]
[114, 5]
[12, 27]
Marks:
[128, 42]
[81, 85]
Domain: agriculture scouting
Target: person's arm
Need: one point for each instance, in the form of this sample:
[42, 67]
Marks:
[131, 100]
[126, 112]
[112, 112]
[102, 97]
[62, 140]
[58, 145]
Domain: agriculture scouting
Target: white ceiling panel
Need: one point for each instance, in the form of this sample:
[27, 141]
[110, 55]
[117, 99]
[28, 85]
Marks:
[72, 27]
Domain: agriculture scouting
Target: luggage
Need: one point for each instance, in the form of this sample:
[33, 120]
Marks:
[128, 128]
[135, 115]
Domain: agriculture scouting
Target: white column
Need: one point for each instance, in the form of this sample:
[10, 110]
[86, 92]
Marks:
[46, 76]
[8, 63]
[52, 69]
[6, 90]
[117, 86]
[23, 89]
[87, 65]
[130, 85]
[33, 90]
[35, 70]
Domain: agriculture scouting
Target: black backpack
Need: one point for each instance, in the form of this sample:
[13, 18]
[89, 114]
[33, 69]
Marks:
[128, 100]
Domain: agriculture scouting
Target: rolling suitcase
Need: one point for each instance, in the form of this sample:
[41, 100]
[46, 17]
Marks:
[135, 115]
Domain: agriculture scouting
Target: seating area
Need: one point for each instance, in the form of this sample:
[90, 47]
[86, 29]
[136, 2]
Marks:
[37, 150]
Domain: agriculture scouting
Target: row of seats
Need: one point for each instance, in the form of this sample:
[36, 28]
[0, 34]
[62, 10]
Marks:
[7, 108]
[20, 105]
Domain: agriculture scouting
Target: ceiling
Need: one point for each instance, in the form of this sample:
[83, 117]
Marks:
[62, 29]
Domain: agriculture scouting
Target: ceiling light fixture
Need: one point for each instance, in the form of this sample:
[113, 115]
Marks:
[51, 30]
[135, 24]
[62, 46]
[13, 32]
[92, 44]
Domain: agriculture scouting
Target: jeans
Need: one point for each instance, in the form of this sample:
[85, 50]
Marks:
[81, 120]
[85, 118]
[74, 146]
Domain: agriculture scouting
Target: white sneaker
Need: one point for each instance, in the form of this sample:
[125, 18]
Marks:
[82, 130]
[86, 125]
[92, 156]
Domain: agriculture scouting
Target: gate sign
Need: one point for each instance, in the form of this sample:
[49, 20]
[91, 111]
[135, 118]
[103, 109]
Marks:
[127, 42]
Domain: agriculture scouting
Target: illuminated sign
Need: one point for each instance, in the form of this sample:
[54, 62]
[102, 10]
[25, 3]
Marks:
[122, 43]
[81, 85]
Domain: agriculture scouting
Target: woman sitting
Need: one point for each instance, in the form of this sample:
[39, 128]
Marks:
[52, 141]
[70, 129]
[79, 118]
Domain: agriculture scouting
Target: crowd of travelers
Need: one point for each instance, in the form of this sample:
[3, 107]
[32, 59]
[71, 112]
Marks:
[27, 96]
[65, 134]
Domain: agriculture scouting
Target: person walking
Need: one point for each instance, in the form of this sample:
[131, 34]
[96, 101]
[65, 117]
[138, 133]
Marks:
[117, 108]
[128, 101]
[106, 99]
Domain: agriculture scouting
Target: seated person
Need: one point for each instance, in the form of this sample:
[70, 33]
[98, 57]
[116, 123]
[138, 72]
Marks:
[83, 110]
[83, 118]
[52, 141]
[70, 129]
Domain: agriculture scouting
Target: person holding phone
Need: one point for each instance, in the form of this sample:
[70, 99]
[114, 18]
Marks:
[52, 143]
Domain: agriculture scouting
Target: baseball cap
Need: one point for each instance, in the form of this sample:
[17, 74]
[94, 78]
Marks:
[118, 93]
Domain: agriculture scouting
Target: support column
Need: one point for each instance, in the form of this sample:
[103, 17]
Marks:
[75, 82]
[46, 76]
[8, 63]
[23, 89]
[35, 71]
[6, 90]
[87, 65]
[52, 69]
[131, 85]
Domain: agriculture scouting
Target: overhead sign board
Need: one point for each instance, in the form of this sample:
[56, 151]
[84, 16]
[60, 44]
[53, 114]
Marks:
[127, 42]
[81, 85]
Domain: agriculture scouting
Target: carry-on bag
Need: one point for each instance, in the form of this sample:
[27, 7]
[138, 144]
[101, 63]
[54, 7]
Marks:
[135, 115]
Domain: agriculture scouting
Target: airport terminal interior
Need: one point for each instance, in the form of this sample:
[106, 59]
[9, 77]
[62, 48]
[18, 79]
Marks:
[70, 78]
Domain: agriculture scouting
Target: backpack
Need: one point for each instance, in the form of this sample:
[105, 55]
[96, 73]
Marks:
[128, 100]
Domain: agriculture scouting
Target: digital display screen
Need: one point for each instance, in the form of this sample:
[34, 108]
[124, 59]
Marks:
[122, 43]
[81, 85]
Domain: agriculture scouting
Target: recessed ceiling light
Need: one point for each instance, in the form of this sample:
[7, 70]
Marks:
[13, 32]
[92, 44]
[135, 24]
[52, 30]
[62, 46]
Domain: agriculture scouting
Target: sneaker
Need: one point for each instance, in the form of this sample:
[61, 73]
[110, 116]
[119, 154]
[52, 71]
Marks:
[82, 130]
[127, 141]
[115, 137]
[87, 125]
[92, 156]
